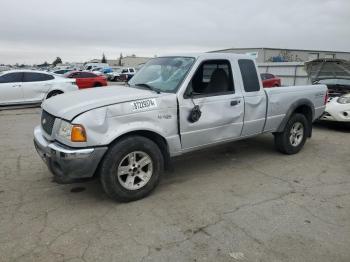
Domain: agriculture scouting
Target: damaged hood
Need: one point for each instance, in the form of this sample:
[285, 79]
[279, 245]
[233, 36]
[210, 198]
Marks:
[69, 105]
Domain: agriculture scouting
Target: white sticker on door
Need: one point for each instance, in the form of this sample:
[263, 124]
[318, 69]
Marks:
[143, 104]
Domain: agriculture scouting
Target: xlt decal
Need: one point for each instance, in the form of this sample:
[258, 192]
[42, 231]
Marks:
[143, 104]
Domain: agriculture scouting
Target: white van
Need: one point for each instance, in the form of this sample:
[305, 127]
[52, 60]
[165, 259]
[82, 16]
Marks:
[91, 66]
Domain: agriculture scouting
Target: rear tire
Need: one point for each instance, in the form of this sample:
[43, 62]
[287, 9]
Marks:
[293, 138]
[53, 93]
[131, 169]
[97, 84]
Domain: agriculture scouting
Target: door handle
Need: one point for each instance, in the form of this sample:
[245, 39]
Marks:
[235, 102]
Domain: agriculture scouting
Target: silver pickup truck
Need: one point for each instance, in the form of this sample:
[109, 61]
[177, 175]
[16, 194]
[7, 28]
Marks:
[126, 135]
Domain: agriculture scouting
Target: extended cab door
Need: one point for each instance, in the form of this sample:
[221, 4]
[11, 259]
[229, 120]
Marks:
[11, 88]
[212, 89]
[255, 98]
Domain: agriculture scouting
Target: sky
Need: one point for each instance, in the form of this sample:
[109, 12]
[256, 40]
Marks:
[34, 31]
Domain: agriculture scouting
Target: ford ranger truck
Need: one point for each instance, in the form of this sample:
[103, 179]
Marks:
[126, 135]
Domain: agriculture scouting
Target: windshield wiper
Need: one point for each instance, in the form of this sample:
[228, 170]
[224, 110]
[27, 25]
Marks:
[148, 87]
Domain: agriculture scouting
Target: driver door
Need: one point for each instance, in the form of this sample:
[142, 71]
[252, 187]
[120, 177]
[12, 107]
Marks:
[212, 89]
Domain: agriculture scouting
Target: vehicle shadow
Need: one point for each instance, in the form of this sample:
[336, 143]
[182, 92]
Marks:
[335, 126]
[17, 107]
[194, 165]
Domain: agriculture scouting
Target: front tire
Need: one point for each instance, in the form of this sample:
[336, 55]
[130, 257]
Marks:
[131, 169]
[293, 138]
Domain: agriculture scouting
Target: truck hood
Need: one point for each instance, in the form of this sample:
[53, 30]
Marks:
[69, 105]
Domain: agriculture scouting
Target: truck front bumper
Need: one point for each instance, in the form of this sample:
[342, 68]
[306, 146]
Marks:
[66, 162]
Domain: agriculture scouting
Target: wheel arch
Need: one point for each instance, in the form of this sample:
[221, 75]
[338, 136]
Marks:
[158, 139]
[302, 106]
[54, 90]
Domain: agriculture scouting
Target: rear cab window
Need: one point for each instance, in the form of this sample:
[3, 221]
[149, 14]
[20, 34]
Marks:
[249, 75]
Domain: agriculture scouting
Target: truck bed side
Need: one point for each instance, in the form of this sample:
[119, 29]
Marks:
[283, 101]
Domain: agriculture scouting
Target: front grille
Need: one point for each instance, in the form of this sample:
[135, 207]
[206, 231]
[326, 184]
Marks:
[47, 121]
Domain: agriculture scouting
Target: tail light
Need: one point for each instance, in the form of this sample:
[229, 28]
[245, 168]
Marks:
[326, 97]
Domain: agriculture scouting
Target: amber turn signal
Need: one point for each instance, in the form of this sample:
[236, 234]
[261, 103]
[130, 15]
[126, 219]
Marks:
[78, 134]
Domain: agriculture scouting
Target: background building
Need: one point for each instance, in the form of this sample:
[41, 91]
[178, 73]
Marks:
[127, 61]
[287, 55]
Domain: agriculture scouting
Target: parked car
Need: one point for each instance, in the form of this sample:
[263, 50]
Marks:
[338, 109]
[114, 75]
[90, 66]
[31, 87]
[173, 105]
[127, 73]
[87, 79]
[270, 80]
[123, 74]
[101, 70]
[61, 71]
[338, 106]
[336, 86]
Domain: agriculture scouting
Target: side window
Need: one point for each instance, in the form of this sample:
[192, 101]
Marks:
[86, 75]
[124, 71]
[270, 76]
[249, 75]
[213, 77]
[11, 78]
[132, 70]
[263, 76]
[36, 77]
[75, 75]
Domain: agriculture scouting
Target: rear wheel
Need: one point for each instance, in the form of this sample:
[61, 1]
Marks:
[97, 84]
[131, 169]
[293, 138]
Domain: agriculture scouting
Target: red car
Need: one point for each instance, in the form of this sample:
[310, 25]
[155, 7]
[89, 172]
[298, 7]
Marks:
[87, 79]
[270, 80]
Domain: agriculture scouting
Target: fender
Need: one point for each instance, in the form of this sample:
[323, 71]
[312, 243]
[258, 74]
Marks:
[291, 110]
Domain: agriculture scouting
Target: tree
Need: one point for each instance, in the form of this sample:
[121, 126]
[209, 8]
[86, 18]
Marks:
[120, 59]
[104, 59]
[57, 61]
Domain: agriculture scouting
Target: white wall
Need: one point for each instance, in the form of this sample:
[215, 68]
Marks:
[291, 73]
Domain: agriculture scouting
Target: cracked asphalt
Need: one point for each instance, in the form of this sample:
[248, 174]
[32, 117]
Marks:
[239, 202]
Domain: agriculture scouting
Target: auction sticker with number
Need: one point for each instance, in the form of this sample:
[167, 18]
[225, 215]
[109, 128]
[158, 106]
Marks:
[144, 104]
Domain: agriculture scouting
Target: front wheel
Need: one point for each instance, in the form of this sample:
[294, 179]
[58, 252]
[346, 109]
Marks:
[293, 138]
[131, 169]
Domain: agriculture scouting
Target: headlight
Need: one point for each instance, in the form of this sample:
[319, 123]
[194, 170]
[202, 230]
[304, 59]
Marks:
[73, 133]
[344, 99]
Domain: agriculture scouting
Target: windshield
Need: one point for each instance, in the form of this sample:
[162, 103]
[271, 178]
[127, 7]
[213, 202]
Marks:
[164, 73]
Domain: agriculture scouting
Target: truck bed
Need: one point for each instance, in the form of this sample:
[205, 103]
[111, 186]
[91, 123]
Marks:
[282, 100]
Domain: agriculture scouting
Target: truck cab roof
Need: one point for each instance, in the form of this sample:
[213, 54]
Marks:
[211, 55]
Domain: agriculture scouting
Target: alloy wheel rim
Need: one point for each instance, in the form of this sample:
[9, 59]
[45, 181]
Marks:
[135, 170]
[296, 134]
